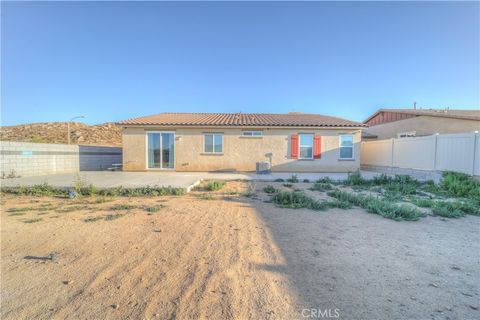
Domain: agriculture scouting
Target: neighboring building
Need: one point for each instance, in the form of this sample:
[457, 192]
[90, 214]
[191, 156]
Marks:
[293, 142]
[400, 123]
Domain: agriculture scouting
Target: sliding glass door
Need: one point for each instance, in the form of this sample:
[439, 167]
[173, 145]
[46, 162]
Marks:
[161, 150]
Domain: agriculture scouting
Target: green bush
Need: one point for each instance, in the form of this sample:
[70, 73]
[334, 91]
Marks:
[306, 181]
[296, 199]
[447, 209]
[379, 206]
[121, 206]
[293, 179]
[154, 208]
[422, 202]
[43, 189]
[215, 185]
[269, 189]
[321, 186]
[279, 180]
[355, 179]
[324, 180]
[460, 185]
[47, 190]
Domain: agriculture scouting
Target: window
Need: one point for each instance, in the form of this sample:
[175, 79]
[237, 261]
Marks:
[252, 133]
[213, 143]
[346, 146]
[306, 146]
[406, 134]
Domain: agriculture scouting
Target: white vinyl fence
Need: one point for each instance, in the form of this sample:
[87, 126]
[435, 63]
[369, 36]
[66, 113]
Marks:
[453, 152]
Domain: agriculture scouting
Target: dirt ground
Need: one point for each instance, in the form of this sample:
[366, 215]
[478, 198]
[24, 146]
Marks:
[222, 255]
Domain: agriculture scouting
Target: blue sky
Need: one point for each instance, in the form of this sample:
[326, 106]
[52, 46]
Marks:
[111, 61]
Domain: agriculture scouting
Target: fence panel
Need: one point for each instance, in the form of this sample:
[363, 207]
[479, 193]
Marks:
[376, 153]
[456, 152]
[414, 153]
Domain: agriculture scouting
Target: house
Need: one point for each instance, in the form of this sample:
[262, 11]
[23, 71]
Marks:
[293, 142]
[400, 123]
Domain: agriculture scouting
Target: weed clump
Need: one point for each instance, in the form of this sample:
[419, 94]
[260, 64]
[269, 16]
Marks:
[321, 186]
[293, 179]
[215, 185]
[385, 208]
[269, 189]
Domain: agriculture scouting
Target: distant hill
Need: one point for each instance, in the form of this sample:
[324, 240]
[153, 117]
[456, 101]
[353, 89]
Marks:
[106, 134]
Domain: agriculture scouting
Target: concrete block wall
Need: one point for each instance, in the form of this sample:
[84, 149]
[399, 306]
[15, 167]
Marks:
[35, 159]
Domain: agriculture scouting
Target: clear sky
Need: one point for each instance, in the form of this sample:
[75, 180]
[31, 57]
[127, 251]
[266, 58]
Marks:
[111, 61]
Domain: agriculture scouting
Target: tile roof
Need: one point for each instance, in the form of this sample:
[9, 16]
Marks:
[445, 113]
[293, 119]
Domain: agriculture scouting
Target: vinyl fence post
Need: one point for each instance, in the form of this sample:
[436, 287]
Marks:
[393, 153]
[476, 136]
[435, 151]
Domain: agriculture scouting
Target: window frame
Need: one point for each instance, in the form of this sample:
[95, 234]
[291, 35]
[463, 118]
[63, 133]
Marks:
[406, 134]
[300, 145]
[340, 146]
[213, 134]
[252, 133]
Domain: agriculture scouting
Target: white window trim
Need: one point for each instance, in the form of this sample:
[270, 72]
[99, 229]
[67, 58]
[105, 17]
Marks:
[408, 134]
[252, 135]
[146, 150]
[213, 134]
[300, 145]
[340, 146]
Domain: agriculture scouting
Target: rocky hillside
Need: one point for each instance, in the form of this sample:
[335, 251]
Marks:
[106, 134]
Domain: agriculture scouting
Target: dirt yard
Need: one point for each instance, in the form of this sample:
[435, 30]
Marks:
[223, 255]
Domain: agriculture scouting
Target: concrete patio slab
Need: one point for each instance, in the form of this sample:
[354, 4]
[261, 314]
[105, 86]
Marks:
[108, 179]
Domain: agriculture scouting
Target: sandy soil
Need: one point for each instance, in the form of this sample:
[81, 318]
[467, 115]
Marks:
[227, 256]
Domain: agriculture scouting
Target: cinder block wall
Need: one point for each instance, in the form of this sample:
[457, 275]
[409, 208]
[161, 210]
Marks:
[35, 159]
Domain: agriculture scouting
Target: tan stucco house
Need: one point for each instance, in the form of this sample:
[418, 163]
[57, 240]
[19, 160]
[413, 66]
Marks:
[400, 123]
[293, 142]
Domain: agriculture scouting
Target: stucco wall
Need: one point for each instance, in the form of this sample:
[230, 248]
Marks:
[240, 153]
[423, 125]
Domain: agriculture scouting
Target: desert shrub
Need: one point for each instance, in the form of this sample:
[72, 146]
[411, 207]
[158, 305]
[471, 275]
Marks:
[306, 180]
[43, 189]
[93, 219]
[293, 179]
[381, 179]
[340, 204]
[287, 185]
[279, 180]
[422, 202]
[385, 208]
[33, 220]
[47, 190]
[321, 186]
[215, 185]
[447, 209]
[470, 207]
[154, 208]
[121, 206]
[460, 185]
[142, 191]
[269, 189]
[113, 216]
[296, 199]
[355, 179]
[393, 196]
[324, 180]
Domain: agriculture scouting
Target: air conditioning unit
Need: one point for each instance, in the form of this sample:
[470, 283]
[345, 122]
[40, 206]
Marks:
[263, 167]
